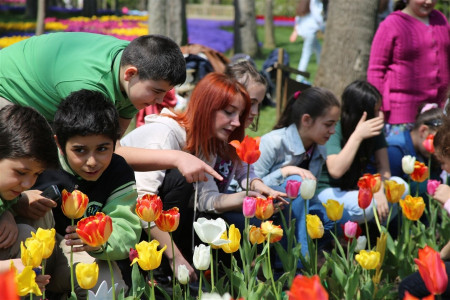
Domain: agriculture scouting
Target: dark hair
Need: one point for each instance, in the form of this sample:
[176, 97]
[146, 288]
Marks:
[246, 74]
[433, 118]
[358, 97]
[441, 139]
[24, 133]
[84, 113]
[400, 4]
[314, 101]
[156, 57]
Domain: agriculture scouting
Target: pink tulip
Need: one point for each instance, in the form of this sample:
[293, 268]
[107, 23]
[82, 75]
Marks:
[350, 229]
[292, 187]
[432, 186]
[249, 207]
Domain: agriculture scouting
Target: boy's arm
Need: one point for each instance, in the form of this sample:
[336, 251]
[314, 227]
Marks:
[191, 167]
[8, 230]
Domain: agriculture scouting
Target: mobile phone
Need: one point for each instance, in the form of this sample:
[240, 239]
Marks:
[52, 192]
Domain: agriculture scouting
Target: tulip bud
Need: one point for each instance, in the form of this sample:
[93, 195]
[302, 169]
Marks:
[87, 275]
[334, 209]
[149, 207]
[314, 227]
[368, 259]
[308, 188]
[74, 204]
[360, 243]
[264, 208]
[408, 164]
[133, 254]
[247, 150]
[350, 229]
[432, 185]
[183, 274]
[292, 188]
[201, 257]
[428, 143]
[249, 207]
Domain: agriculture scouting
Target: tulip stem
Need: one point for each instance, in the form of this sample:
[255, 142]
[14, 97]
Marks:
[43, 273]
[348, 254]
[335, 233]
[270, 268]
[246, 261]
[231, 279]
[375, 215]
[153, 284]
[173, 266]
[200, 285]
[112, 273]
[148, 232]
[367, 229]
[389, 218]
[72, 284]
[212, 270]
[248, 179]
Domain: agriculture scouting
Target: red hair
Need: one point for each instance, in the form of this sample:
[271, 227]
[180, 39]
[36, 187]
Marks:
[212, 93]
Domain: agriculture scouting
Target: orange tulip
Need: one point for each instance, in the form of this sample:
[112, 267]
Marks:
[428, 143]
[169, 220]
[264, 208]
[149, 207]
[365, 194]
[275, 231]
[248, 149]
[420, 173]
[256, 236]
[432, 270]
[8, 287]
[307, 288]
[372, 181]
[74, 204]
[412, 207]
[95, 230]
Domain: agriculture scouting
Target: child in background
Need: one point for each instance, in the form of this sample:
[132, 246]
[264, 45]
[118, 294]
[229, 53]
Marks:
[26, 150]
[358, 139]
[295, 149]
[86, 125]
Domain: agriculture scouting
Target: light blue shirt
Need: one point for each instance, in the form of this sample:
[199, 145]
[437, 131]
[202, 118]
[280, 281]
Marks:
[284, 147]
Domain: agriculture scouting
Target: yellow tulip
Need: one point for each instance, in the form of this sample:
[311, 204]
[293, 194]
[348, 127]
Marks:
[393, 190]
[32, 252]
[47, 237]
[256, 235]
[314, 226]
[334, 209]
[274, 232]
[26, 282]
[412, 207]
[234, 236]
[149, 258]
[368, 259]
[87, 275]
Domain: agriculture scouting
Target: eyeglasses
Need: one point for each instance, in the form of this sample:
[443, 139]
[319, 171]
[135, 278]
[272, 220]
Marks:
[434, 122]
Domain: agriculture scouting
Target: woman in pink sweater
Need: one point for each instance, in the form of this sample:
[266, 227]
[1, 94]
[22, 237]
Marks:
[409, 61]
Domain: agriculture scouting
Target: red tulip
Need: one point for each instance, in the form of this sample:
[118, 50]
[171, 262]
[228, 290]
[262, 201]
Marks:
[95, 230]
[248, 149]
[8, 288]
[133, 254]
[149, 207]
[365, 194]
[169, 220]
[420, 173]
[292, 187]
[372, 180]
[432, 270]
[307, 288]
[428, 143]
[74, 204]
[408, 296]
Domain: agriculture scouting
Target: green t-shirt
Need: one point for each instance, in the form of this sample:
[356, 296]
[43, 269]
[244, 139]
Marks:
[43, 70]
[334, 146]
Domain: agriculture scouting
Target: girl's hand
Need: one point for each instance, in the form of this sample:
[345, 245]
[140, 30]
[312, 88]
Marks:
[442, 193]
[368, 128]
[382, 205]
[293, 170]
[72, 239]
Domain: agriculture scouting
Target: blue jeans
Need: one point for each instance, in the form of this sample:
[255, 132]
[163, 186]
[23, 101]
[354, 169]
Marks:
[310, 44]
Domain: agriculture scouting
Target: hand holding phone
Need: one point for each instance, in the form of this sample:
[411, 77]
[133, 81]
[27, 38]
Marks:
[52, 192]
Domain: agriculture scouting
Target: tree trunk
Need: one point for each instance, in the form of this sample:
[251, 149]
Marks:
[245, 38]
[157, 17]
[40, 22]
[31, 8]
[176, 24]
[347, 41]
[89, 8]
[269, 29]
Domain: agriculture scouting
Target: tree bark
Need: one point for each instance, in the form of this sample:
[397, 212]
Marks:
[89, 8]
[40, 22]
[269, 29]
[157, 17]
[245, 38]
[168, 18]
[346, 49]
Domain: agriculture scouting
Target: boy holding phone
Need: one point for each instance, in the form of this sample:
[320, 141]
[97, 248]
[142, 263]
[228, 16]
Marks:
[87, 126]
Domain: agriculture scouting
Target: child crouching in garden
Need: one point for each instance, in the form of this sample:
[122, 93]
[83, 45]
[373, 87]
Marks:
[86, 125]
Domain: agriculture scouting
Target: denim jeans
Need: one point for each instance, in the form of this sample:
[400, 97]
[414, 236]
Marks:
[310, 44]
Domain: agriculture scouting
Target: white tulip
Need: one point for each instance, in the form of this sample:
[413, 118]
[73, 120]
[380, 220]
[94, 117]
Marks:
[308, 188]
[102, 293]
[408, 164]
[183, 274]
[361, 243]
[202, 256]
[215, 296]
[210, 231]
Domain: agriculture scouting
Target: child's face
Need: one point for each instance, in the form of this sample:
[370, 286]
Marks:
[227, 119]
[421, 8]
[324, 126]
[143, 93]
[17, 175]
[256, 91]
[444, 160]
[89, 156]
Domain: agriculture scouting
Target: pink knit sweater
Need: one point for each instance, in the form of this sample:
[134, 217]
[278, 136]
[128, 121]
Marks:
[409, 64]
